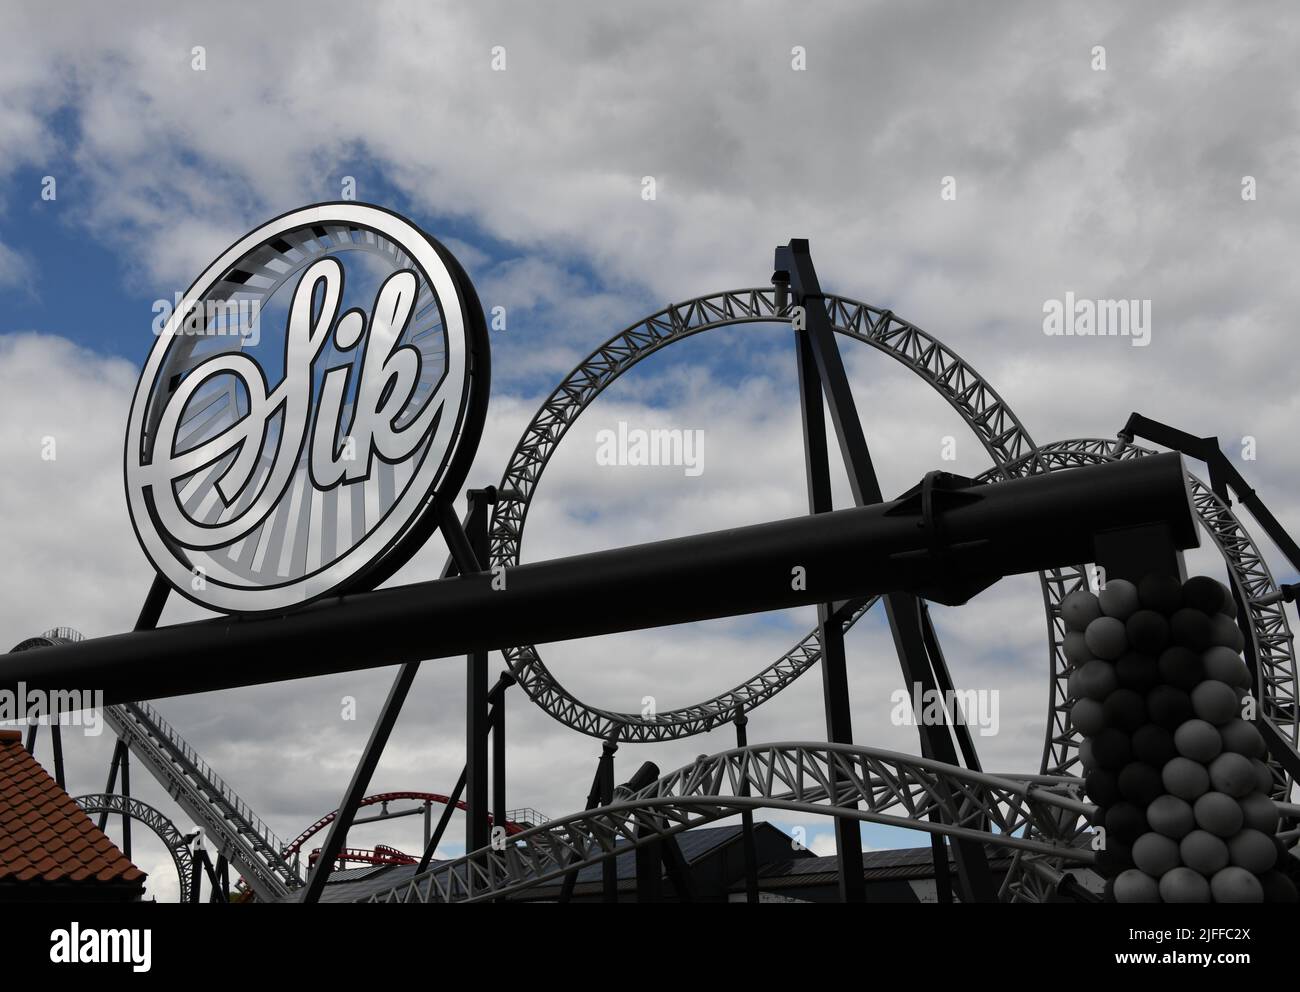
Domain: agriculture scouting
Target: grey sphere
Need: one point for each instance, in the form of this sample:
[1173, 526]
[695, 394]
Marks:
[1088, 716]
[1198, 740]
[1156, 854]
[1136, 886]
[1203, 852]
[1241, 737]
[1229, 607]
[1184, 885]
[1225, 633]
[1119, 599]
[1215, 702]
[1162, 593]
[1097, 680]
[1235, 884]
[1079, 609]
[1148, 632]
[1183, 777]
[1137, 671]
[1252, 850]
[1263, 777]
[1075, 648]
[1106, 638]
[1233, 774]
[1072, 685]
[1201, 592]
[1171, 816]
[1190, 628]
[1226, 665]
[1258, 812]
[1218, 813]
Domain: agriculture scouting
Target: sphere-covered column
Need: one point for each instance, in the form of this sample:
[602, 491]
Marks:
[1161, 695]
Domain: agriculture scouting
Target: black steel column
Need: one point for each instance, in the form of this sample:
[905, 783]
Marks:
[939, 855]
[196, 874]
[747, 821]
[648, 856]
[477, 827]
[154, 601]
[379, 734]
[114, 763]
[126, 792]
[904, 612]
[678, 871]
[608, 867]
[835, 681]
[431, 840]
[431, 844]
[943, 679]
[223, 877]
[604, 770]
[56, 738]
[214, 885]
[498, 718]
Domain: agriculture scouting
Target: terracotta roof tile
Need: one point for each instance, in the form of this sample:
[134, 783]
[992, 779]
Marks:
[44, 835]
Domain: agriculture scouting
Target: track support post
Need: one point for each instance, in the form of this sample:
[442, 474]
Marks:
[747, 820]
[822, 374]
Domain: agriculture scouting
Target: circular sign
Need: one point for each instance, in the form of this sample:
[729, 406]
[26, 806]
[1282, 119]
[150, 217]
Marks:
[306, 401]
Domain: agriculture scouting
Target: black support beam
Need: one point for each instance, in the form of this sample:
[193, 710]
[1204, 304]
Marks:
[1005, 528]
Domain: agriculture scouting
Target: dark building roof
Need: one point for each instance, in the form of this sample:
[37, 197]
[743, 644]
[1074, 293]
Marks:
[47, 841]
[877, 866]
[697, 846]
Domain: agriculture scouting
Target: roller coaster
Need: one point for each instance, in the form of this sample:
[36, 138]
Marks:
[1049, 818]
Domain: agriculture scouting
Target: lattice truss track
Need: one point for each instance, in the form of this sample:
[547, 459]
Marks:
[1039, 814]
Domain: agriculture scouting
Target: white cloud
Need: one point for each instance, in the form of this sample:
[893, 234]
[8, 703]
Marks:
[15, 270]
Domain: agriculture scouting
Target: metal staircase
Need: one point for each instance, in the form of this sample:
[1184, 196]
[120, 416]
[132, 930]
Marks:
[236, 831]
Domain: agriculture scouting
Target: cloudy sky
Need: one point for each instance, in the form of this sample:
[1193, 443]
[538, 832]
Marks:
[960, 164]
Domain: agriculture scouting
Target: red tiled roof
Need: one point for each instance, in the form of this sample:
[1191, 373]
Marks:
[44, 835]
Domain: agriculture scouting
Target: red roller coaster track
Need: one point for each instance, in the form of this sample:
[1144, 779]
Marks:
[381, 855]
[383, 797]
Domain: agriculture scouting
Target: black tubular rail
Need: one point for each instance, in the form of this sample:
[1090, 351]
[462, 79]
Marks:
[987, 531]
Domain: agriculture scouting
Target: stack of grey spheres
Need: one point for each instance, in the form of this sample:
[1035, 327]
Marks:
[1158, 690]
